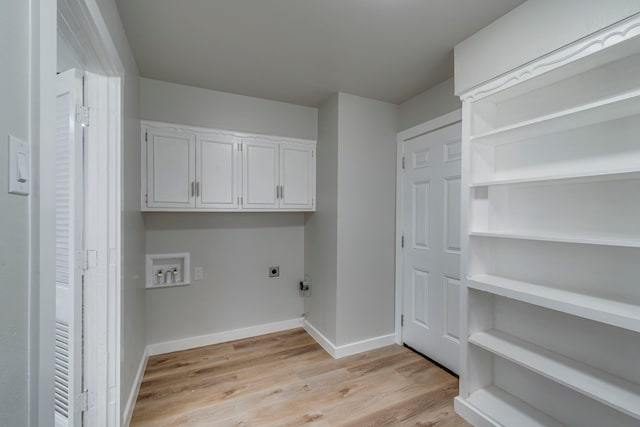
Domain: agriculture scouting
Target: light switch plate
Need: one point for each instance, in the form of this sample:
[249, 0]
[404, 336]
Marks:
[19, 166]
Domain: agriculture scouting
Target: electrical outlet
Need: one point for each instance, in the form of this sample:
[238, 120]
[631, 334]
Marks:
[274, 271]
[197, 273]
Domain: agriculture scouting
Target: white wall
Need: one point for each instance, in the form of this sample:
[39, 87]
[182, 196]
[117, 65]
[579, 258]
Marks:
[235, 249]
[133, 334]
[321, 227]
[428, 105]
[349, 241]
[15, 217]
[529, 31]
[366, 218]
[187, 105]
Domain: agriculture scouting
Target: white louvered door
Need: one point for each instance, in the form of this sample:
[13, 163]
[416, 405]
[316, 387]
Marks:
[69, 251]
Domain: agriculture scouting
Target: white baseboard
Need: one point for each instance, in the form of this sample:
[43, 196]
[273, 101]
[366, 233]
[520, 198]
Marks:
[135, 389]
[348, 349]
[320, 339]
[471, 414]
[220, 337]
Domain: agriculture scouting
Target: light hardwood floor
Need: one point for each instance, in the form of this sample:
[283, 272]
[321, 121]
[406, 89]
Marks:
[287, 379]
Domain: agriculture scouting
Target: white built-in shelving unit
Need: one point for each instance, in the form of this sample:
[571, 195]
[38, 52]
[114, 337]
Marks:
[551, 253]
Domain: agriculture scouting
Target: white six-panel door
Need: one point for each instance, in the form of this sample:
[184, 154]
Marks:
[69, 251]
[431, 253]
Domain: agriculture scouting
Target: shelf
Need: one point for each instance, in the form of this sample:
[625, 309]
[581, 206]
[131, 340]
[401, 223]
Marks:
[601, 386]
[507, 410]
[613, 108]
[558, 238]
[601, 310]
[565, 178]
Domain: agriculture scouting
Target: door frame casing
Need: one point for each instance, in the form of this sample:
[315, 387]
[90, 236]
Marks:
[404, 136]
[81, 25]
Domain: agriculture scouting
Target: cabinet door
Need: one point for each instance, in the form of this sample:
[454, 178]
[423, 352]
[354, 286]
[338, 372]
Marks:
[170, 169]
[217, 172]
[260, 175]
[297, 165]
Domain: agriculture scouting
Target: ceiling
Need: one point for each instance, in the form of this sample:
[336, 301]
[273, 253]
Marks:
[301, 51]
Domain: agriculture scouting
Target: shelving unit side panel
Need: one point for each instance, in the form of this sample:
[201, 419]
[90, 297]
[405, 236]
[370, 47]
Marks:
[465, 215]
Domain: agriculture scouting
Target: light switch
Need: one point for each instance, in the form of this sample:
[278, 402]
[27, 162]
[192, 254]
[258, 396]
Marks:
[23, 172]
[19, 166]
[197, 273]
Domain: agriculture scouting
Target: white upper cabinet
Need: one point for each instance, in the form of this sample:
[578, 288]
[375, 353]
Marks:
[187, 168]
[278, 176]
[171, 168]
[297, 173]
[260, 166]
[217, 172]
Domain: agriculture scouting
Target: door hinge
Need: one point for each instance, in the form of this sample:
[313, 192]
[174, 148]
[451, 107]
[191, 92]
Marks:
[402, 241]
[87, 259]
[82, 115]
[146, 199]
[82, 401]
[403, 162]
[401, 320]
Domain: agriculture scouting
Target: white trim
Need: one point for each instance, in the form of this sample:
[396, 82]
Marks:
[320, 339]
[86, 32]
[345, 350]
[471, 414]
[406, 135]
[220, 337]
[610, 36]
[135, 389]
[364, 345]
[399, 232]
[226, 132]
[431, 125]
[41, 303]
[114, 256]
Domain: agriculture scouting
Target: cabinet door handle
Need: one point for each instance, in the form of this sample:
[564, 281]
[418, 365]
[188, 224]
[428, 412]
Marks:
[282, 191]
[198, 188]
[193, 189]
[277, 191]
